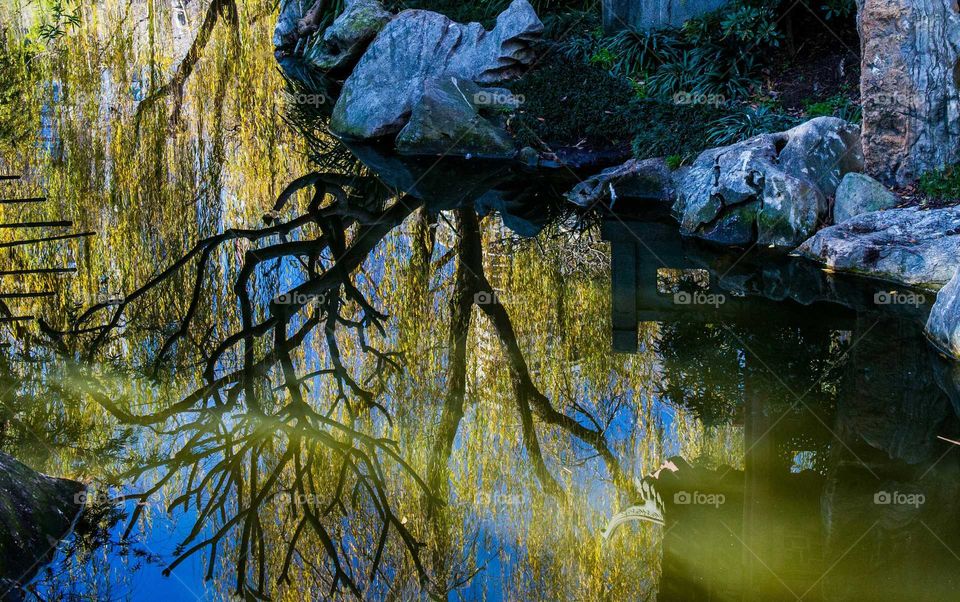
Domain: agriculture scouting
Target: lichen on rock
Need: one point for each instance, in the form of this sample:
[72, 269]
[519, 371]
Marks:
[772, 189]
[388, 82]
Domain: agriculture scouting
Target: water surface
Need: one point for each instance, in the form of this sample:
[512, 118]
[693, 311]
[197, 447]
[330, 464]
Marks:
[416, 379]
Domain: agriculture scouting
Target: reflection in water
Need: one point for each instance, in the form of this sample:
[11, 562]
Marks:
[411, 379]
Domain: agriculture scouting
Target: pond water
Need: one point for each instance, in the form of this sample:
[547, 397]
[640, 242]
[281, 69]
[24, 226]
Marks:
[288, 369]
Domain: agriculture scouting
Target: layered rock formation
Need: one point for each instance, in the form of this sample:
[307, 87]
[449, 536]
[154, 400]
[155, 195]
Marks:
[909, 86]
[772, 189]
[389, 81]
[911, 246]
[943, 326]
[344, 41]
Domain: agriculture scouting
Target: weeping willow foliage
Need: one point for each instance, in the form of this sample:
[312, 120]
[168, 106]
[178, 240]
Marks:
[155, 141]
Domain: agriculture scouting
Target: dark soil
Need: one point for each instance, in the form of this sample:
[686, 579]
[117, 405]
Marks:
[826, 63]
[912, 196]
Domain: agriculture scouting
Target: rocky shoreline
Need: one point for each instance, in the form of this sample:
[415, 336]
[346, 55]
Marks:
[429, 86]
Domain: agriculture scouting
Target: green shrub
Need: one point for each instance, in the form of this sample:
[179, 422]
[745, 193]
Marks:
[942, 184]
[712, 55]
[838, 9]
[664, 129]
[567, 101]
[746, 123]
[836, 106]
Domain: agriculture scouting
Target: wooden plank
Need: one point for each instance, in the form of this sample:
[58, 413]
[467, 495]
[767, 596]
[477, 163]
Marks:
[48, 224]
[37, 271]
[19, 243]
[34, 199]
[32, 295]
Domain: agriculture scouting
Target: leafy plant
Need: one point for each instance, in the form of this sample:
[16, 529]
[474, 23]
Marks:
[746, 123]
[62, 17]
[836, 106]
[838, 9]
[603, 57]
[755, 25]
[711, 55]
[942, 184]
[665, 129]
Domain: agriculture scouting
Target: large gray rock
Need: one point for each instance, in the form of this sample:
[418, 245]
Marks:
[858, 194]
[649, 179]
[771, 189]
[943, 326]
[909, 86]
[446, 121]
[379, 96]
[291, 11]
[36, 512]
[910, 246]
[344, 41]
[654, 14]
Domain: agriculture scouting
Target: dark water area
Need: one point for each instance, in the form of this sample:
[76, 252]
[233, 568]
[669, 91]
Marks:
[288, 369]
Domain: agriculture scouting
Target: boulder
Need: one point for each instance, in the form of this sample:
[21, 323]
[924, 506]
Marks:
[36, 512]
[291, 11]
[418, 45]
[646, 180]
[910, 246]
[859, 193]
[909, 74]
[771, 189]
[446, 121]
[943, 325]
[344, 41]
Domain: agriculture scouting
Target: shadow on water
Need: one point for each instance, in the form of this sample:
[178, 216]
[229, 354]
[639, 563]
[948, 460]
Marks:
[342, 379]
